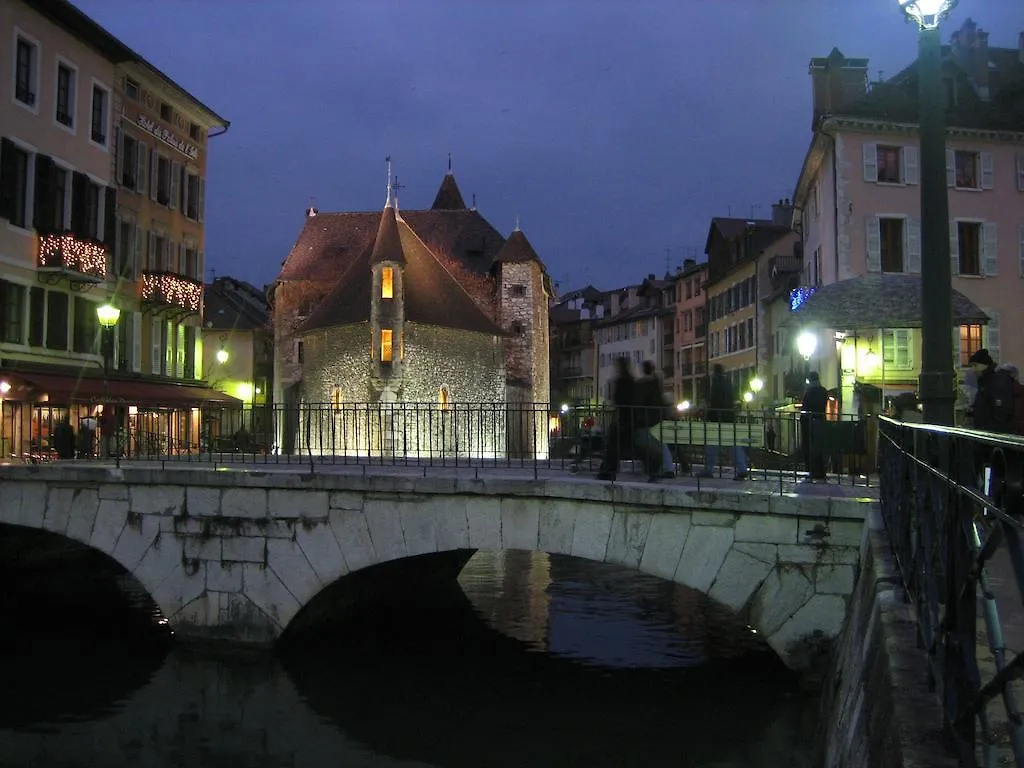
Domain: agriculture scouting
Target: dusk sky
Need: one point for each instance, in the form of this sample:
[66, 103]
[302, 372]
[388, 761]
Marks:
[614, 131]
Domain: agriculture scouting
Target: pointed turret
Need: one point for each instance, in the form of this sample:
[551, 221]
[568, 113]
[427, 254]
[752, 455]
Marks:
[517, 249]
[448, 196]
[387, 302]
[388, 246]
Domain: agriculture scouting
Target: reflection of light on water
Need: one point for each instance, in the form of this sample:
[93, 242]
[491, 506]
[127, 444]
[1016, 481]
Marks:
[600, 614]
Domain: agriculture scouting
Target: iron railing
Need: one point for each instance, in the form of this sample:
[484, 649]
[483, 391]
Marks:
[952, 501]
[454, 434]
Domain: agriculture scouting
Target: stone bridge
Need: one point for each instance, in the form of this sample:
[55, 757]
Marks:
[235, 555]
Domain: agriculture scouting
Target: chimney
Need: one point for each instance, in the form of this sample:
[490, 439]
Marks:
[970, 45]
[782, 213]
[836, 81]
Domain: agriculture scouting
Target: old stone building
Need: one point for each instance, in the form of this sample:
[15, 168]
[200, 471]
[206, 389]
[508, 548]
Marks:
[412, 332]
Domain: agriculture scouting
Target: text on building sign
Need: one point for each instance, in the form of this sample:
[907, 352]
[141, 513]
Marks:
[190, 151]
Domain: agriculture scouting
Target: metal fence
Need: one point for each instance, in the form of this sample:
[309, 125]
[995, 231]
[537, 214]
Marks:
[952, 500]
[482, 435]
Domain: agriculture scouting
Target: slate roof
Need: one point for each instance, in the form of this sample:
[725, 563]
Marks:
[431, 293]
[388, 244]
[225, 311]
[871, 302]
[448, 197]
[517, 250]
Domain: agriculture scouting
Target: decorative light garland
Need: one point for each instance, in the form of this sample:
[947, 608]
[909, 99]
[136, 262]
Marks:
[71, 253]
[169, 288]
[798, 296]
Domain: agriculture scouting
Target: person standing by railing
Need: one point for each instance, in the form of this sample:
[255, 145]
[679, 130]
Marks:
[992, 409]
[812, 420]
[652, 408]
[722, 406]
[621, 426]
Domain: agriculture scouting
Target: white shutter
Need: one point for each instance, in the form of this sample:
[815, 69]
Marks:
[1020, 171]
[989, 250]
[901, 353]
[911, 174]
[950, 168]
[179, 351]
[874, 244]
[169, 337]
[202, 199]
[156, 359]
[954, 247]
[151, 254]
[136, 318]
[175, 190]
[140, 168]
[154, 177]
[912, 230]
[956, 348]
[870, 158]
[1022, 250]
[137, 253]
[992, 333]
[987, 171]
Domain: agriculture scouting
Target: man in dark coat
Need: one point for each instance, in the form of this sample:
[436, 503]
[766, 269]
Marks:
[621, 426]
[721, 409]
[64, 439]
[811, 418]
[651, 409]
[993, 404]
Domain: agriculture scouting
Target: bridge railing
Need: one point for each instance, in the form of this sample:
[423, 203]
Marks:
[952, 501]
[499, 434]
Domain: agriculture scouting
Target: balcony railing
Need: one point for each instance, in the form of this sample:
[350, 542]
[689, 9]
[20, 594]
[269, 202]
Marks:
[172, 290]
[76, 257]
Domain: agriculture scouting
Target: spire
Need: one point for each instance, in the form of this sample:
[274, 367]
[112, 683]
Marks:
[387, 201]
[449, 163]
[448, 196]
[388, 245]
[517, 229]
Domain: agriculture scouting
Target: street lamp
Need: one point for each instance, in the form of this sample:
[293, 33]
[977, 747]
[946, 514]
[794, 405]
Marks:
[222, 355]
[806, 343]
[936, 383]
[756, 385]
[107, 315]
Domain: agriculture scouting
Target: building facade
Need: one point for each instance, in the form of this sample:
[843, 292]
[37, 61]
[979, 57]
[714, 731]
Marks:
[859, 194]
[573, 369]
[68, 244]
[635, 328]
[433, 339]
[689, 384]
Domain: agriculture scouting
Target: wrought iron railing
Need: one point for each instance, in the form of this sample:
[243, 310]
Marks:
[952, 500]
[539, 436]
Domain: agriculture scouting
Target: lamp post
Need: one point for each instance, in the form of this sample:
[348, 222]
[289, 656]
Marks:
[936, 383]
[107, 315]
[806, 344]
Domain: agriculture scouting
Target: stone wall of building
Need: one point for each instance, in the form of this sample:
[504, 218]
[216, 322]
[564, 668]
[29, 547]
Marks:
[876, 706]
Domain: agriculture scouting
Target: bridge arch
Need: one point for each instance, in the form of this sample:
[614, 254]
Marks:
[236, 555]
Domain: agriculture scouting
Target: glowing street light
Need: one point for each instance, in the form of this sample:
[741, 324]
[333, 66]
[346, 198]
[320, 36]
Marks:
[756, 385]
[927, 13]
[806, 343]
[108, 315]
[5, 387]
[565, 408]
[683, 406]
[748, 397]
[222, 355]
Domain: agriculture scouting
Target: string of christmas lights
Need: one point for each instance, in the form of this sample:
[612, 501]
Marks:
[68, 252]
[172, 289]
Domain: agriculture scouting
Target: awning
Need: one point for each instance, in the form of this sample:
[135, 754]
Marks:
[870, 302]
[57, 389]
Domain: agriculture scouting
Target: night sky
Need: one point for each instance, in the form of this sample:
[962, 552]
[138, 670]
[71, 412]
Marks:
[614, 131]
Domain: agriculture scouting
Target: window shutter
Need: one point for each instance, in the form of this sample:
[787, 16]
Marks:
[140, 167]
[79, 183]
[136, 363]
[950, 168]
[118, 154]
[874, 244]
[987, 171]
[956, 348]
[954, 248]
[902, 354]
[910, 169]
[44, 214]
[179, 360]
[165, 256]
[174, 185]
[156, 357]
[151, 257]
[992, 333]
[989, 249]
[180, 268]
[109, 220]
[913, 236]
[137, 252]
[169, 337]
[119, 259]
[202, 198]
[1020, 171]
[8, 178]
[1022, 250]
[154, 159]
[870, 158]
[199, 267]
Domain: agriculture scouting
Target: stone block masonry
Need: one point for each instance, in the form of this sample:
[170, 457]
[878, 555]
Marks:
[235, 555]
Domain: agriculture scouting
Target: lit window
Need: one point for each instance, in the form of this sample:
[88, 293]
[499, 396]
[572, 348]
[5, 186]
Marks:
[444, 399]
[336, 398]
[385, 345]
[387, 283]
[970, 342]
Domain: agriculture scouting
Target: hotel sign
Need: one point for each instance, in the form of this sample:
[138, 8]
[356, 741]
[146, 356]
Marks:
[188, 149]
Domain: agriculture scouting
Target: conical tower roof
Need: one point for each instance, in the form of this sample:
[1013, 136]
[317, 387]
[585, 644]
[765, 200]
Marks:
[517, 249]
[448, 196]
[388, 246]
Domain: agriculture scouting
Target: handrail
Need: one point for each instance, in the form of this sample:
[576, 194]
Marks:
[951, 499]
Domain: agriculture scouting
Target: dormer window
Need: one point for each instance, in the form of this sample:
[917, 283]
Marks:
[387, 283]
[386, 345]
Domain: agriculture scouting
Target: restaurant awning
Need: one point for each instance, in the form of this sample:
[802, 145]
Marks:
[870, 302]
[64, 389]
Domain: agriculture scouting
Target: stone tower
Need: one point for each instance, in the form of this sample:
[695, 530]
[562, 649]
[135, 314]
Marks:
[387, 305]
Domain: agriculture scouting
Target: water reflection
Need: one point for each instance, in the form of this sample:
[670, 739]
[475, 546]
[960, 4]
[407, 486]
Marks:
[546, 662]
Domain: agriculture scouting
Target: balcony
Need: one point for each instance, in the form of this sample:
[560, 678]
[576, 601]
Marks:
[570, 372]
[81, 260]
[172, 291]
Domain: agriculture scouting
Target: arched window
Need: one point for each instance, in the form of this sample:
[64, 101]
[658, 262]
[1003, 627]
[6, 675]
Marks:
[336, 398]
[387, 283]
[444, 399]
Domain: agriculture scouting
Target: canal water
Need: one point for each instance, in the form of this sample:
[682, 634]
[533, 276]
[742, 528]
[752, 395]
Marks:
[547, 661]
